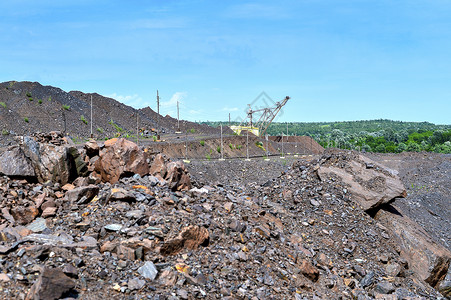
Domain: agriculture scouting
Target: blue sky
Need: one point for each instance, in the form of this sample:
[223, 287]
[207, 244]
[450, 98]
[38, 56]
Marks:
[337, 60]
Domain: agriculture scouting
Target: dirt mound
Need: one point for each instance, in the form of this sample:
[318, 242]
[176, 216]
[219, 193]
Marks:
[29, 107]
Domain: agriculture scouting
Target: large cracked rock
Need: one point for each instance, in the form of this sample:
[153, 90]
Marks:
[14, 163]
[429, 260]
[42, 162]
[120, 158]
[370, 184]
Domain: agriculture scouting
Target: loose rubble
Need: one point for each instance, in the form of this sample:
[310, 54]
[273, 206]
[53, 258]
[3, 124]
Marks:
[127, 231]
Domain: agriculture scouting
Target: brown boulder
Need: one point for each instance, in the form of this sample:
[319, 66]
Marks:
[158, 166]
[92, 148]
[370, 184]
[51, 284]
[190, 237]
[119, 158]
[178, 176]
[308, 270]
[76, 194]
[429, 260]
[24, 215]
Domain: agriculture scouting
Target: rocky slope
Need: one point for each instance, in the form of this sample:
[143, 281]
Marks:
[29, 107]
[135, 226]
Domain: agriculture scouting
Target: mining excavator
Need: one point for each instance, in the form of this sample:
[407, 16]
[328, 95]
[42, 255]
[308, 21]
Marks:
[259, 128]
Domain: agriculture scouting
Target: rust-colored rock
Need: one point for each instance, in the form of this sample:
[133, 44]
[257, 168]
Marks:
[190, 237]
[119, 158]
[24, 215]
[158, 166]
[308, 270]
[177, 176]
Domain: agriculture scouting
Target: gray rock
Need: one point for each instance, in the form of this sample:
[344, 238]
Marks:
[367, 280]
[14, 163]
[384, 287]
[38, 225]
[148, 270]
[136, 284]
[113, 227]
[393, 269]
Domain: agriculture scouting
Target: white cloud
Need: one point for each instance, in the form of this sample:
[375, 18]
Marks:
[230, 109]
[132, 100]
[178, 96]
[195, 112]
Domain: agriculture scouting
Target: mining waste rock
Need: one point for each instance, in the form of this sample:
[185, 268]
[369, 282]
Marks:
[371, 184]
[120, 157]
[58, 162]
[285, 235]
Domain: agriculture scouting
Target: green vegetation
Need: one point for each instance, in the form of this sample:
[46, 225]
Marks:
[383, 136]
[40, 101]
[118, 129]
[66, 107]
[239, 147]
[260, 145]
[50, 98]
[3, 104]
[30, 98]
[26, 119]
[5, 132]
[100, 130]
[231, 146]
[192, 130]
[202, 143]
[154, 138]
[218, 149]
[83, 119]
[28, 94]
[208, 156]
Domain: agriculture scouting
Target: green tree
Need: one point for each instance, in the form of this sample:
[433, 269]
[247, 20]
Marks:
[380, 148]
[401, 148]
[413, 147]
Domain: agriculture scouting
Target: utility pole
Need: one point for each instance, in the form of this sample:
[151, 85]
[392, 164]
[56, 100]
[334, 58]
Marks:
[178, 119]
[267, 153]
[222, 148]
[186, 144]
[137, 128]
[250, 114]
[287, 137]
[158, 116]
[247, 144]
[282, 147]
[229, 119]
[91, 119]
[295, 146]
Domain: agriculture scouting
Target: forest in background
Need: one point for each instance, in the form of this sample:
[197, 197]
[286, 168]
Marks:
[384, 136]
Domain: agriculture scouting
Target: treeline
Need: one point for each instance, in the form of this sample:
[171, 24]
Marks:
[372, 136]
